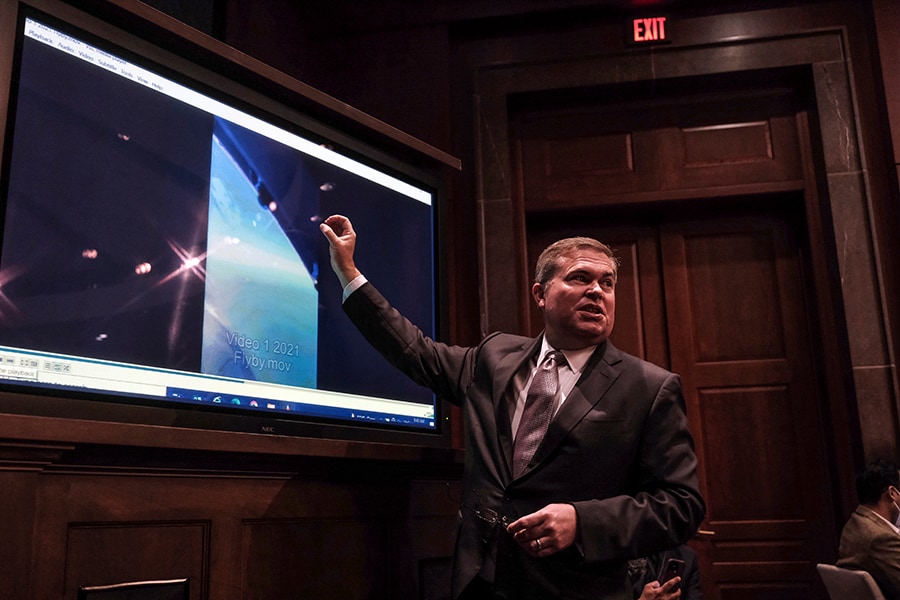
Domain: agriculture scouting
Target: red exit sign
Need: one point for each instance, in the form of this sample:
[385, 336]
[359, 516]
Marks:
[649, 30]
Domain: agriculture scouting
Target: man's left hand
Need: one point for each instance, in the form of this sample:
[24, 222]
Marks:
[546, 531]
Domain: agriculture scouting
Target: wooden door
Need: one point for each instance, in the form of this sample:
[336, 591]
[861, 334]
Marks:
[700, 189]
[735, 306]
[721, 301]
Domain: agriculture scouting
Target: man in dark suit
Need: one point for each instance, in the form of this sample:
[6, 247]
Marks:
[870, 540]
[613, 478]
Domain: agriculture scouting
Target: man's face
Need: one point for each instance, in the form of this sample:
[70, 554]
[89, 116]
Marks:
[579, 302]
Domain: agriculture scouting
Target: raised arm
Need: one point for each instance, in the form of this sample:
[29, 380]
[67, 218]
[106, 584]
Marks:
[341, 238]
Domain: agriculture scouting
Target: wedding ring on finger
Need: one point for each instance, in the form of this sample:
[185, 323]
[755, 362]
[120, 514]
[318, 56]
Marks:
[537, 542]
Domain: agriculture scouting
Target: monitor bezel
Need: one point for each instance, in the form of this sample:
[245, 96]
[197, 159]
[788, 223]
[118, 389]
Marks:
[164, 41]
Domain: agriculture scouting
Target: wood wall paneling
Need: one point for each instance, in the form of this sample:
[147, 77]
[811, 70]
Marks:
[104, 553]
[301, 527]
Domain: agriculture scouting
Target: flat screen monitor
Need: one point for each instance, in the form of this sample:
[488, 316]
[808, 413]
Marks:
[161, 246]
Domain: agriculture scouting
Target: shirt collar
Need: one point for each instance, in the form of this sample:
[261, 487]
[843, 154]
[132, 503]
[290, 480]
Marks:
[576, 359]
[894, 527]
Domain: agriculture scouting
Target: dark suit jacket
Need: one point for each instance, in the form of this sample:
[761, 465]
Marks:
[869, 544]
[618, 450]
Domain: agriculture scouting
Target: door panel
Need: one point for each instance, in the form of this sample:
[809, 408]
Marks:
[737, 315]
[650, 150]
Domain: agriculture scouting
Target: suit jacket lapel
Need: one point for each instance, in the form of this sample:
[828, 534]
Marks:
[599, 374]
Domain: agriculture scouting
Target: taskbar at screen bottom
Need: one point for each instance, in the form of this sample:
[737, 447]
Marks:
[284, 408]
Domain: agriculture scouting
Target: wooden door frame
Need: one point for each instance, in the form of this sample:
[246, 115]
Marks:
[833, 185]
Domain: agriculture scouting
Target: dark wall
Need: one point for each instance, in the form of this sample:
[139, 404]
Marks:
[202, 15]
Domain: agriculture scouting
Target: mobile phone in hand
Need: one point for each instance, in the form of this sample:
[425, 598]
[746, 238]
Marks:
[673, 567]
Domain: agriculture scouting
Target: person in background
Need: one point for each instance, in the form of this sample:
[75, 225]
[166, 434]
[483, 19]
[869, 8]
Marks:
[644, 573]
[870, 540]
[553, 515]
